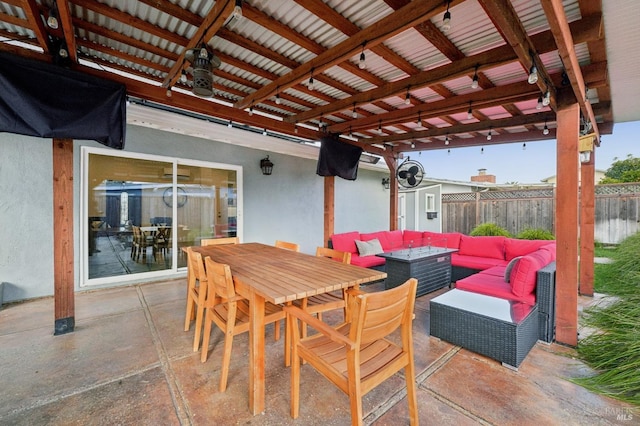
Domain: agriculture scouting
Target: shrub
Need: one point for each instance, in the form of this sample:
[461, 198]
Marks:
[613, 350]
[535, 234]
[489, 229]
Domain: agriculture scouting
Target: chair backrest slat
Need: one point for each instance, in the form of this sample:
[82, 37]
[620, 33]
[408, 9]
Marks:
[219, 241]
[376, 315]
[220, 279]
[339, 256]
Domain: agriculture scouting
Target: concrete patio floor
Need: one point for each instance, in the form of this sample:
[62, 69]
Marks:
[129, 362]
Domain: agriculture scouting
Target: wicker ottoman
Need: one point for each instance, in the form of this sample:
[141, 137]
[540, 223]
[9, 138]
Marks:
[494, 327]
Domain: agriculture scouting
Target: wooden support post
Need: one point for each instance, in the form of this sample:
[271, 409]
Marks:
[568, 119]
[329, 207]
[393, 192]
[587, 225]
[63, 274]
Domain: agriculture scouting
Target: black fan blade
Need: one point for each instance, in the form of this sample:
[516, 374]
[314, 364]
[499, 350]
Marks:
[411, 180]
[402, 174]
[414, 170]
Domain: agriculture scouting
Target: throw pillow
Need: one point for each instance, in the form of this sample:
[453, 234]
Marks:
[369, 248]
[510, 266]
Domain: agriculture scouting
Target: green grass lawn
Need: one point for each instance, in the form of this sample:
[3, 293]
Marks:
[614, 351]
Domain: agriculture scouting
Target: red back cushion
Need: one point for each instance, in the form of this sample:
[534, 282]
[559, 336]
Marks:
[523, 274]
[482, 246]
[395, 239]
[514, 247]
[453, 239]
[381, 236]
[413, 238]
[345, 242]
[551, 248]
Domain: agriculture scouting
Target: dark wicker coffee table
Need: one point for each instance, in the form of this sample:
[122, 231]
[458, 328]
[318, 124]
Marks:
[431, 266]
[494, 327]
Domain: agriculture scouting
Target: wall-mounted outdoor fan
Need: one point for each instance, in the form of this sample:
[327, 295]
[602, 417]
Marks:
[410, 173]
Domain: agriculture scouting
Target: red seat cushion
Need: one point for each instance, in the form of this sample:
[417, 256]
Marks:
[492, 285]
[345, 241]
[514, 247]
[367, 261]
[482, 246]
[497, 271]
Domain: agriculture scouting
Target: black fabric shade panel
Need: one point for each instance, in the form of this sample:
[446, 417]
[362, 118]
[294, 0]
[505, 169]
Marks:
[338, 158]
[48, 101]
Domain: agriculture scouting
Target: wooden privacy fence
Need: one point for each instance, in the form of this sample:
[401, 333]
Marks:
[617, 209]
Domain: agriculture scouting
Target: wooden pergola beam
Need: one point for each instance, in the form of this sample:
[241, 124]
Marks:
[554, 10]
[389, 26]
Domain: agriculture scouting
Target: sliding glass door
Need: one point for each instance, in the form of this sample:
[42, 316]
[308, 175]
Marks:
[140, 211]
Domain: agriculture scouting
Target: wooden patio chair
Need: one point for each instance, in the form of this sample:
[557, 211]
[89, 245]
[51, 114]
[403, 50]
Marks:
[324, 302]
[287, 245]
[196, 294]
[219, 241]
[229, 312]
[356, 355]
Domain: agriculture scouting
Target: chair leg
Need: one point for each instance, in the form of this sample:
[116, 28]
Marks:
[412, 399]
[355, 398]
[295, 371]
[188, 316]
[198, 331]
[226, 359]
[276, 330]
[207, 334]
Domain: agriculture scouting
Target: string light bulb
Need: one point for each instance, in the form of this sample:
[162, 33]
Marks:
[278, 100]
[469, 112]
[264, 132]
[545, 131]
[533, 74]
[546, 99]
[295, 128]
[380, 126]
[482, 150]
[474, 83]
[489, 135]
[539, 104]
[354, 114]
[446, 20]
[311, 86]
[413, 144]
[230, 124]
[448, 152]
[251, 110]
[419, 120]
[407, 98]
[524, 146]
[169, 94]
[237, 9]
[446, 140]
[361, 63]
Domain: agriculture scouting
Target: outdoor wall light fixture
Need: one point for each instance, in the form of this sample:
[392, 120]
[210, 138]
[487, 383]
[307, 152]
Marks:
[266, 165]
[386, 183]
[585, 146]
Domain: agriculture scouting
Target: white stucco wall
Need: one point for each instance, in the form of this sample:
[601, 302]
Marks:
[287, 205]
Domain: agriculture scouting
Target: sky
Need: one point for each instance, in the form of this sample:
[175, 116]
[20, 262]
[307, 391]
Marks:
[510, 163]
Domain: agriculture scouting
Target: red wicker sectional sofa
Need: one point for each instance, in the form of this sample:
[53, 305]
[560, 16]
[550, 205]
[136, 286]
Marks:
[508, 268]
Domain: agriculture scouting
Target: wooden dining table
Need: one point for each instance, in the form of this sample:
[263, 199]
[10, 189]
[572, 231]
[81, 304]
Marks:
[266, 273]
